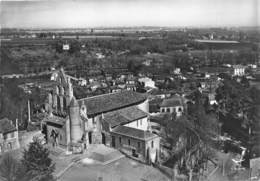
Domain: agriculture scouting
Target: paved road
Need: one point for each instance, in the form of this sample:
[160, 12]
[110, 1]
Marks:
[222, 159]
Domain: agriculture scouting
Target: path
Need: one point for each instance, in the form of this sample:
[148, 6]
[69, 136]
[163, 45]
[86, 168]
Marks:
[222, 159]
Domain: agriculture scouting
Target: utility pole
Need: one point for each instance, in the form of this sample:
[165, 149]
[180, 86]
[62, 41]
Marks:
[17, 134]
[29, 112]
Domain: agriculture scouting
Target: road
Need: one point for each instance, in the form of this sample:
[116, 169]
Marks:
[224, 161]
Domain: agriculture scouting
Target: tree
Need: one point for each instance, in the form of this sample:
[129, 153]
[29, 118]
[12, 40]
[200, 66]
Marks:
[37, 163]
[9, 168]
[74, 47]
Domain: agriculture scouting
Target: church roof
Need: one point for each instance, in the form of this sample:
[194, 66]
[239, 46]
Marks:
[134, 133]
[110, 102]
[123, 116]
[6, 126]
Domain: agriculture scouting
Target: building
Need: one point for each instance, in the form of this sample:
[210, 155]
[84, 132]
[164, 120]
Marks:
[147, 82]
[177, 71]
[136, 142]
[174, 104]
[8, 136]
[75, 123]
[65, 47]
[239, 70]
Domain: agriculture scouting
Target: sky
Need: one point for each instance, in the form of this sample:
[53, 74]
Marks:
[113, 13]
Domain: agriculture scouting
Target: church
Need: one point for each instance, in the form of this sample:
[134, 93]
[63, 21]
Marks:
[119, 120]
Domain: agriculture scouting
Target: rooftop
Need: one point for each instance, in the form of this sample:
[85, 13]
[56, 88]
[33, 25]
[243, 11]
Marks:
[55, 119]
[6, 126]
[124, 116]
[110, 102]
[134, 133]
[172, 102]
[216, 41]
[239, 66]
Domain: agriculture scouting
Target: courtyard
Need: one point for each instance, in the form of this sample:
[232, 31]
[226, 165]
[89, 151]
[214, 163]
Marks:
[89, 167]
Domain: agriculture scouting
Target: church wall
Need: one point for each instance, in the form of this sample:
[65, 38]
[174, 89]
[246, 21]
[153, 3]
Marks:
[61, 134]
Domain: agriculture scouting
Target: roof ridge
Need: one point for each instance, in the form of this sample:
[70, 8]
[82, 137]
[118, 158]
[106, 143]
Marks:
[98, 96]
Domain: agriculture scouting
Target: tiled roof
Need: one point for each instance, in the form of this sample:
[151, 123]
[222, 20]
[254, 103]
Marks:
[123, 116]
[6, 126]
[134, 133]
[113, 101]
[172, 102]
[239, 66]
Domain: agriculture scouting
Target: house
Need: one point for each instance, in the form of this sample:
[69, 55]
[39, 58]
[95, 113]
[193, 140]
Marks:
[100, 55]
[94, 85]
[8, 136]
[65, 47]
[174, 104]
[82, 81]
[136, 142]
[177, 71]
[147, 62]
[147, 82]
[130, 87]
[130, 80]
[212, 99]
[239, 70]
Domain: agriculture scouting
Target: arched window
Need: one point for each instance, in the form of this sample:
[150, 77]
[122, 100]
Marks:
[58, 103]
[57, 90]
[61, 90]
[64, 103]
[55, 101]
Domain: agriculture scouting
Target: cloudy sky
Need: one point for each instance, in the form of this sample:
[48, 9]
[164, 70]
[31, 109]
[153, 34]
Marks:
[107, 13]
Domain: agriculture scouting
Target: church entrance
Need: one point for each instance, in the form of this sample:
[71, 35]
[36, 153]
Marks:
[54, 135]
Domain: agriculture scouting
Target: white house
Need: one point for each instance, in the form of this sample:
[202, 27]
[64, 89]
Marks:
[65, 46]
[173, 104]
[239, 70]
[148, 82]
[82, 81]
[177, 71]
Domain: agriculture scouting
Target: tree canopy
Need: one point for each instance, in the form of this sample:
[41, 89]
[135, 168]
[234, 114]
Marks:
[37, 163]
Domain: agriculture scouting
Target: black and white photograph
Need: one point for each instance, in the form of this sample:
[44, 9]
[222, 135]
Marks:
[129, 90]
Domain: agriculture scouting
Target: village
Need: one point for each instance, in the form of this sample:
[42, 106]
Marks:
[130, 103]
